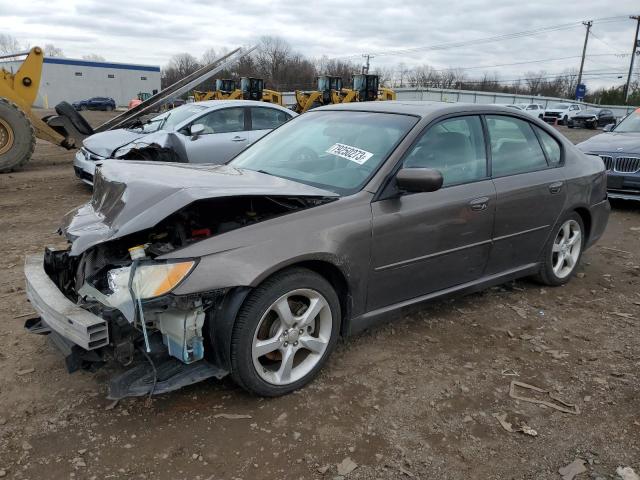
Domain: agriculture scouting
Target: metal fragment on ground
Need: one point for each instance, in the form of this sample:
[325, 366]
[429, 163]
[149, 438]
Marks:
[561, 405]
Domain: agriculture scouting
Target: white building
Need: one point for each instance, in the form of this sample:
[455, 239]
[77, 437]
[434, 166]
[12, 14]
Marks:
[68, 79]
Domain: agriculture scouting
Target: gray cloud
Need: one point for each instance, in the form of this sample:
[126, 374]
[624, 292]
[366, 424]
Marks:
[150, 31]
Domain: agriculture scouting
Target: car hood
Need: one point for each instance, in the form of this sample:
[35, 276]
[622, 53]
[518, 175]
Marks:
[105, 143]
[131, 196]
[612, 143]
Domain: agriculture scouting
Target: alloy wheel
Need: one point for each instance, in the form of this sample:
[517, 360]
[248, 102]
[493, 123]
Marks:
[292, 336]
[566, 249]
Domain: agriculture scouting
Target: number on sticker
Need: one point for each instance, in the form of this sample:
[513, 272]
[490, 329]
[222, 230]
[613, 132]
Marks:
[350, 153]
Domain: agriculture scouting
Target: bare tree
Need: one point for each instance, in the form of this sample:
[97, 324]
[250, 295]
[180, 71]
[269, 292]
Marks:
[51, 50]
[9, 44]
[273, 53]
[94, 57]
[209, 56]
[180, 65]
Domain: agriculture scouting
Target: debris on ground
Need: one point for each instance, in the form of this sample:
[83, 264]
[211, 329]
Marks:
[627, 473]
[346, 466]
[25, 371]
[560, 405]
[576, 467]
[231, 416]
[515, 424]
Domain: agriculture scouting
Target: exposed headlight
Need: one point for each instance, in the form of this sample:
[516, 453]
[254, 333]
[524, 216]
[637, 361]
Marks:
[151, 280]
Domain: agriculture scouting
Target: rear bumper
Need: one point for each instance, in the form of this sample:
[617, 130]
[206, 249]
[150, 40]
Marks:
[60, 314]
[599, 219]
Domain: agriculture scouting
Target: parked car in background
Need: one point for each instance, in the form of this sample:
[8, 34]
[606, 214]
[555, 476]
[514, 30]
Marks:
[203, 132]
[96, 103]
[619, 149]
[561, 112]
[333, 223]
[592, 118]
[533, 109]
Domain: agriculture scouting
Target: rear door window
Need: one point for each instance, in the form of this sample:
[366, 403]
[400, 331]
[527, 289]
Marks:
[264, 118]
[514, 146]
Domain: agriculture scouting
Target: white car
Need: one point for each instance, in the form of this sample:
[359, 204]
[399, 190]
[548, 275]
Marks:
[203, 132]
[533, 109]
[561, 112]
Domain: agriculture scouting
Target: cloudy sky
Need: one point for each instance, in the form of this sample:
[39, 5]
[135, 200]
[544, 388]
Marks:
[151, 31]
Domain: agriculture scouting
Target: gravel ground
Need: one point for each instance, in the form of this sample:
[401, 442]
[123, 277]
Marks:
[413, 399]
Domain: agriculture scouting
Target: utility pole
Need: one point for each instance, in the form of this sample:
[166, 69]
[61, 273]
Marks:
[584, 49]
[633, 56]
[365, 68]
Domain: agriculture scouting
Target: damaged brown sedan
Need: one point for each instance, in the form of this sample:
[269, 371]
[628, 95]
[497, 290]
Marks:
[328, 225]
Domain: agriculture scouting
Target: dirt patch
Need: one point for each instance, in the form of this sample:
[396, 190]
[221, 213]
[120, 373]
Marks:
[413, 399]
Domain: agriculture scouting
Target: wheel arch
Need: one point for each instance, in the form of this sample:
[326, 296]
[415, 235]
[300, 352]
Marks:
[585, 215]
[222, 318]
[327, 267]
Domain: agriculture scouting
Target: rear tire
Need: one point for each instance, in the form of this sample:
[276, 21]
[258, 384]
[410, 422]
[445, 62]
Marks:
[17, 137]
[276, 323]
[563, 251]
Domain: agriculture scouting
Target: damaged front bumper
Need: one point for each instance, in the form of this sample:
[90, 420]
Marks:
[171, 357]
[59, 313]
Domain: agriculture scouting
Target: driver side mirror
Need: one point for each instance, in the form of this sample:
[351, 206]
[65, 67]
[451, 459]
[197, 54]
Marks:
[608, 127]
[196, 130]
[419, 179]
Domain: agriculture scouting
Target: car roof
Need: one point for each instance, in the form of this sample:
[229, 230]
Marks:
[418, 108]
[215, 104]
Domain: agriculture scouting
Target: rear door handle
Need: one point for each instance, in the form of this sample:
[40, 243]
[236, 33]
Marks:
[479, 204]
[555, 187]
[238, 139]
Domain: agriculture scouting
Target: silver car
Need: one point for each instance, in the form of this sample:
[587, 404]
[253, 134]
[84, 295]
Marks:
[203, 132]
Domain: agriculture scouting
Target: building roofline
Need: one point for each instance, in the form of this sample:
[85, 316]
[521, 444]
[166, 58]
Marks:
[95, 64]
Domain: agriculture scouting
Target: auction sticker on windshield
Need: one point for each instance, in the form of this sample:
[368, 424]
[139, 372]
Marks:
[350, 153]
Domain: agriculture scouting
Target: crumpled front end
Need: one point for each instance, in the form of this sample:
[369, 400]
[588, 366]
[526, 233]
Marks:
[125, 315]
[109, 296]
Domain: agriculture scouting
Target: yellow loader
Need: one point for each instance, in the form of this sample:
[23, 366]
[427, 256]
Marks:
[18, 125]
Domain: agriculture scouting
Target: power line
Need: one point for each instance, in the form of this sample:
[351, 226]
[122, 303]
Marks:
[597, 37]
[506, 36]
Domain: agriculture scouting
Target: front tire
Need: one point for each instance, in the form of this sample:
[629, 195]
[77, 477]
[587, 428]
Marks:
[285, 332]
[565, 120]
[17, 137]
[561, 255]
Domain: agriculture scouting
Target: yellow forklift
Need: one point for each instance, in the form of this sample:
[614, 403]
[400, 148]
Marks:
[251, 88]
[226, 89]
[330, 91]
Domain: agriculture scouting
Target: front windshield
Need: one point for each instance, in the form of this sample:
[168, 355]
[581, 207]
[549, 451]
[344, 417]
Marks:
[560, 106]
[631, 124]
[169, 120]
[334, 150]
[590, 111]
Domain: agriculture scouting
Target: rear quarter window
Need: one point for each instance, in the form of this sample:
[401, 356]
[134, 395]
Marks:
[550, 146]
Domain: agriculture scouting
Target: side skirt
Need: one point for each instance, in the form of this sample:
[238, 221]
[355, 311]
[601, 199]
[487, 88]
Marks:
[384, 314]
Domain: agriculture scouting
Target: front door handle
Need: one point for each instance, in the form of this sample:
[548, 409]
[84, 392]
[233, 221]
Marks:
[555, 188]
[239, 139]
[479, 204]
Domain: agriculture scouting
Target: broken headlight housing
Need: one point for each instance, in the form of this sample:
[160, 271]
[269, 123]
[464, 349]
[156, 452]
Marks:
[151, 280]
